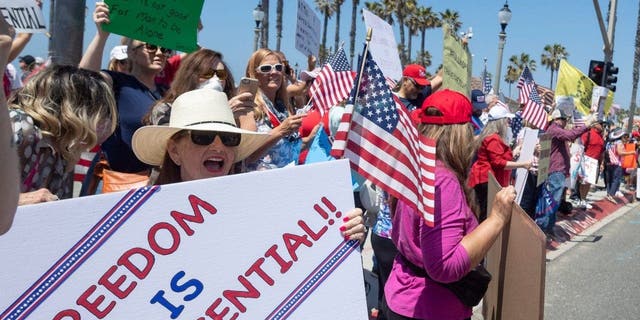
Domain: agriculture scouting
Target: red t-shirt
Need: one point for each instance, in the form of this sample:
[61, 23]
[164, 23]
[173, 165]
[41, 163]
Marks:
[492, 156]
[595, 147]
[169, 71]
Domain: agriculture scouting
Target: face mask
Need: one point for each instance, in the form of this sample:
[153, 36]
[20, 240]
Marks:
[211, 83]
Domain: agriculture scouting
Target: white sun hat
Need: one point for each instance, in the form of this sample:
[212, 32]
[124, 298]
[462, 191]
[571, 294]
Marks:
[202, 110]
[498, 112]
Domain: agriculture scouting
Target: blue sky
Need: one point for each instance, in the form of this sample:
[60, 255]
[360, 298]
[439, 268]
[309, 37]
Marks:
[228, 28]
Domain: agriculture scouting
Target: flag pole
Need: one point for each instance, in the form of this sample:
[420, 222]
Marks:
[363, 62]
[338, 148]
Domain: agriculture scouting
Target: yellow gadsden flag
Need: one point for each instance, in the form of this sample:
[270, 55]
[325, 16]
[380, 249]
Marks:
[572, 82]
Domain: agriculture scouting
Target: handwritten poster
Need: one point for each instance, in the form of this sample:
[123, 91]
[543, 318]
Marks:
[456, 63]
[223, 247]
[23, 15]
[170, 24]
[307, 30]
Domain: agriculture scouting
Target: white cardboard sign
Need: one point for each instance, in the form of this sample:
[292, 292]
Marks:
[529, 141]
[383, 46]
[262, 245]
[307, 30]
[23, 15]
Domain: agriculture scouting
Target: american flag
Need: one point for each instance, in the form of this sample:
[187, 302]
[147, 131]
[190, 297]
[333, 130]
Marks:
[382, 144]
[534, 108]
[333, 83]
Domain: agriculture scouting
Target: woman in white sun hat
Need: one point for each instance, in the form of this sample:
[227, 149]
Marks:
[493, 155]
[203, 141]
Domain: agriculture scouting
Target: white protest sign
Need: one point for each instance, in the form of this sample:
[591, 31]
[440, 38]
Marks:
[249, 246]
[24, 15]
[529, 141]
[307, 30]
[575, 169]
[383, 46]
[591, 169]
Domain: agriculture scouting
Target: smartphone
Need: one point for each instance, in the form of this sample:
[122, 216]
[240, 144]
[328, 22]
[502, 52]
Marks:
[248, 85]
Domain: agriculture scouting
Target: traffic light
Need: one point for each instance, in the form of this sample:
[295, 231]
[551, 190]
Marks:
[610, 77]
[596, 71]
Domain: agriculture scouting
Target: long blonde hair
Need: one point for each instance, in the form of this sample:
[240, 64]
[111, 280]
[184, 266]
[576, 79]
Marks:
[499, 126]
[452, 149]
[281, 95]
[68, 105]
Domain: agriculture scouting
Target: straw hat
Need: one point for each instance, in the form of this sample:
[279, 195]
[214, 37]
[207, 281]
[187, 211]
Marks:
[202, 109]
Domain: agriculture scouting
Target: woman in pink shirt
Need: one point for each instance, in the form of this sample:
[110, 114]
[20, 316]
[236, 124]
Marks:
[456, 243]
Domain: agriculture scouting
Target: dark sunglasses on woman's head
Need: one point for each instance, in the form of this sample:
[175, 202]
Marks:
[205, 138]
[152, 48]
[266, 68]
[221, 73]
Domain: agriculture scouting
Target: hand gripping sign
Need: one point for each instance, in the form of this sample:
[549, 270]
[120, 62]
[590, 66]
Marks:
[262, 245]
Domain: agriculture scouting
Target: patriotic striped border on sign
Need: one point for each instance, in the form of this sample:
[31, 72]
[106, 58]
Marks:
[315, 278]
[78, 254]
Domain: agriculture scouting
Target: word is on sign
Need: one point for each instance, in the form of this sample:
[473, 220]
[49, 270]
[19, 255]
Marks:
[23, 15]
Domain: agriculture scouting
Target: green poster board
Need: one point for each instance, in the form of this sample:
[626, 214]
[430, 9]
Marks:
[456, 63]
[168, 23]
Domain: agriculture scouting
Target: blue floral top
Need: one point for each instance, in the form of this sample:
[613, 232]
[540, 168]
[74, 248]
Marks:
[40, 165]
[383, 224]
[286, 151]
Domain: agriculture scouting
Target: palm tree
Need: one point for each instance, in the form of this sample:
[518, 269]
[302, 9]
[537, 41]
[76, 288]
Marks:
[511, 76]
[324, 6]
[413, 24]
[634, 79]
[278, 23]
[352, 34]
[264, 42]
[515, 67]
[452, 18]
[423, 59]
[336, 7]
[427, 20]
[551, 57]
[381, 11]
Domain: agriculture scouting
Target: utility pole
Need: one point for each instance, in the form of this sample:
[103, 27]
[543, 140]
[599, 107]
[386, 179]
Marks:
[66, 25]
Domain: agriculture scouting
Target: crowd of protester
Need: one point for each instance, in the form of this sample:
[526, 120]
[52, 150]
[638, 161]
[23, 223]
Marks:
[180, 117]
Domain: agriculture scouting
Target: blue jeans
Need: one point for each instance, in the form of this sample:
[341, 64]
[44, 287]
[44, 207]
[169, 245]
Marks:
[614, 178]
[548, 207]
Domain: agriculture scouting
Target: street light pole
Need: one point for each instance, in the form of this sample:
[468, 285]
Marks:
[258, 16]
[504, 16]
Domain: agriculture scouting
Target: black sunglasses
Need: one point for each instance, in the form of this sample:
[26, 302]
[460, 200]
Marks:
[205, 138]
[152, 48]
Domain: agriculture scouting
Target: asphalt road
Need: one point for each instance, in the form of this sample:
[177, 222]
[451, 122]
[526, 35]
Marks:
[598, 280]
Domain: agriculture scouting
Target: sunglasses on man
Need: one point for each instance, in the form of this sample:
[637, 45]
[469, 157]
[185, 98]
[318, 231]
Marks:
[205, 138]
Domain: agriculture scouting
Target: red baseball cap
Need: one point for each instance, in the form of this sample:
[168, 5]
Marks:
[416, 72]
[455, 108]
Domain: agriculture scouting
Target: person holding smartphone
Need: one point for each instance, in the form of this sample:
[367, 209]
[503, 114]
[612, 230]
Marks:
[273, 113]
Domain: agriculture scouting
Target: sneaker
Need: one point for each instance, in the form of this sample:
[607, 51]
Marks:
[587, 205]
[619, 194]
[581, 204]
[611, 199]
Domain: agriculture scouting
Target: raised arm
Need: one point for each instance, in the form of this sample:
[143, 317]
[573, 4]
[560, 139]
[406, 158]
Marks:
[92, 58]
[8, 157]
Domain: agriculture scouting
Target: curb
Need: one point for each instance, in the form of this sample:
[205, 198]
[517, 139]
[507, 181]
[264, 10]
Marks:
[581, 225]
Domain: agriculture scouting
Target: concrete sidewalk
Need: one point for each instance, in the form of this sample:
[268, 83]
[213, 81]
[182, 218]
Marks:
[581, 224]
